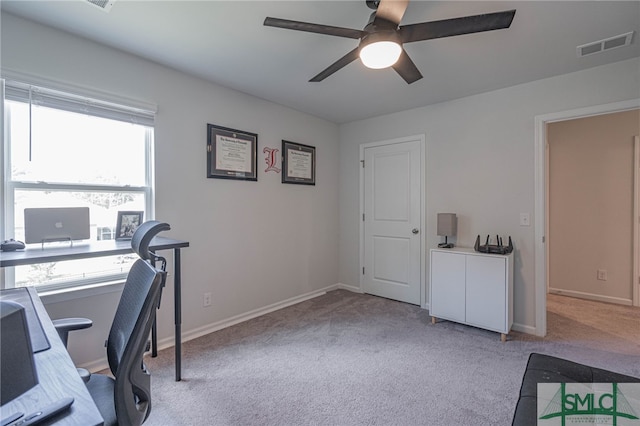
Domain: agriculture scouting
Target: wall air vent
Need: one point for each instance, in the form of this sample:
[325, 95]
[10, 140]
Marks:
[606, 44]
[105, 5]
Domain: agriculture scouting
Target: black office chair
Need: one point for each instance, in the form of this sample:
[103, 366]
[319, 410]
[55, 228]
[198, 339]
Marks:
[125, 399]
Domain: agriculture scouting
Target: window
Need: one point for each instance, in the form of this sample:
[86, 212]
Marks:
[66, 150]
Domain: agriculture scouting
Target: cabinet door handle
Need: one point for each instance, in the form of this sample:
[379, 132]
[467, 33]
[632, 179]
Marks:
[415, 230]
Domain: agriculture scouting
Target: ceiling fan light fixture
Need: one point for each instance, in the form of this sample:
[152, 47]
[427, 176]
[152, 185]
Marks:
[380, 54]
[382, 39]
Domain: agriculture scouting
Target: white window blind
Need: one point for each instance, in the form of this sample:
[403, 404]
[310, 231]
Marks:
[41, 96]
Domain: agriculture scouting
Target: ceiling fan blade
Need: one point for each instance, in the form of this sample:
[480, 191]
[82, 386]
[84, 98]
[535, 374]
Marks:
[313, 28]
[337, 65]
[456, 26]
[391, 11]
[406, 68]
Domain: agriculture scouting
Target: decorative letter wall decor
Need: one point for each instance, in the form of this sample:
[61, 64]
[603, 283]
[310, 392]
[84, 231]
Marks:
[271, 159]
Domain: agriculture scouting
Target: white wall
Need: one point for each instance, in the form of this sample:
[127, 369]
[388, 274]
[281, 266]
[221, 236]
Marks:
[480, 163]
[591, 206]
[253, 244]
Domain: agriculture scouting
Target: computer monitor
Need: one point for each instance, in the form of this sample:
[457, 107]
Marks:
[47, 224]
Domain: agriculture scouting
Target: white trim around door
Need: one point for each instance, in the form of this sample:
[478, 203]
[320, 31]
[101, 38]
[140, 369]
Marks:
[636, 221]
[541, 208]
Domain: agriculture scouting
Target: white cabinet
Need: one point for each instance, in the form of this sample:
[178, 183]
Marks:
[448, 272]
[472, 288]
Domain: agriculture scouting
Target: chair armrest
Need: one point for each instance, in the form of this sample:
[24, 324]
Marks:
[65, 325]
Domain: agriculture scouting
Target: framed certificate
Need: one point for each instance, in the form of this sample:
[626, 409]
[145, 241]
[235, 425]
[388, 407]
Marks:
[231, 153]
[298, 163]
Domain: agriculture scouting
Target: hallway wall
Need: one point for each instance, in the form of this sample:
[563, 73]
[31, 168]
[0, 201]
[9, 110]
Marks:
[591, 206]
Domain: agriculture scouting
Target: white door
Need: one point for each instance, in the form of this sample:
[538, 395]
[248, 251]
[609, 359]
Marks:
[392, 221]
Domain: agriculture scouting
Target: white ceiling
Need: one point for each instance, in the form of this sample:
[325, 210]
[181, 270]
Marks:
[226, 43]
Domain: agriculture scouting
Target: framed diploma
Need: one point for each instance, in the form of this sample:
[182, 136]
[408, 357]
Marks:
[231, 153]
[298, 163]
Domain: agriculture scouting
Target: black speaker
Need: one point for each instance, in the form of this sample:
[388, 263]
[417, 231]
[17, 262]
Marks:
[17, 369]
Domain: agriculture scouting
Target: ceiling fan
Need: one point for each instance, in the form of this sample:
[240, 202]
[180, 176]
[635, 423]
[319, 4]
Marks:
[383, 33]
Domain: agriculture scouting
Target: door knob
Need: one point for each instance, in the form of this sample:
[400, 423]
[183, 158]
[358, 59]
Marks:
[415, 230]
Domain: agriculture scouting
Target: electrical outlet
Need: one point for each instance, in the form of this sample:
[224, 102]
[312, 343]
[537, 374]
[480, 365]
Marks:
[206, 299]
[602, 274]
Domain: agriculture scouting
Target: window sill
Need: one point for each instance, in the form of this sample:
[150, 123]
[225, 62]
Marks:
[79, 292]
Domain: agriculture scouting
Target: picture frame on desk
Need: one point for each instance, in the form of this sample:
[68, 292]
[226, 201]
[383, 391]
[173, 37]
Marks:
[127, 223]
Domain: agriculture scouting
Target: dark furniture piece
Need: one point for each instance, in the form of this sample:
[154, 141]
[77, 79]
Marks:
[126, 398]
[549, 369]
[32, 256]
[57, 375]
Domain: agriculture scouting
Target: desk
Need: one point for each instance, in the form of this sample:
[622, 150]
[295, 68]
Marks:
[32, 256]
[58, 378]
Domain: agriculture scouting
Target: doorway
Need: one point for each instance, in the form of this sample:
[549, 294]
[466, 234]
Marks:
[590, 199]
[542, 207]
[392, 206]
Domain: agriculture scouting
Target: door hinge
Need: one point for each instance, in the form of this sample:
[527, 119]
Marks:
[363, 270]
[362, 161]
[363, 217]
[543, 239]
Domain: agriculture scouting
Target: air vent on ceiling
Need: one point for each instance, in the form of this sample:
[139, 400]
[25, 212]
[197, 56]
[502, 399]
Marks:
[105, 5]
[606, 44]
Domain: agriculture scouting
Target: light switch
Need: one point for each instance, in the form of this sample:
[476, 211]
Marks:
[525, 219]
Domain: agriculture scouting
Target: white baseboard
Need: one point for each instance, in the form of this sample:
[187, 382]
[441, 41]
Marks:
[210, 328]
[95, 366]
[524, 328]
[219, 325]
[591, 296]
[169, 342]
[341, 286]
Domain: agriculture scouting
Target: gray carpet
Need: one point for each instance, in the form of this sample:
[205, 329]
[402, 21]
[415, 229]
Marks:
[352, 359]
[586, 323]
